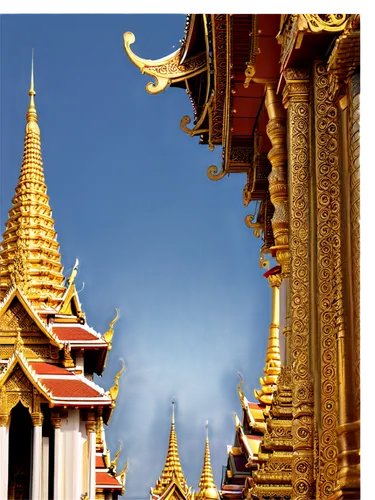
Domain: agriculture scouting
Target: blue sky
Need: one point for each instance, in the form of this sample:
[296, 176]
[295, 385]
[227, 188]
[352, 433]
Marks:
[155, 237]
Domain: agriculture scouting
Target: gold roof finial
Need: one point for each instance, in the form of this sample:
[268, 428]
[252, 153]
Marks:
[29, 252]
[31, 115]
[73, 274]
[114, 461]
[113, 391]
[207, 488]
[109, 334]
[172, 468]
[272, 367]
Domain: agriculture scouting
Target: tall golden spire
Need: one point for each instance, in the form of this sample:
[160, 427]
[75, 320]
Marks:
[172, 468]
[273, 361]
[29, 254]
[207, 488]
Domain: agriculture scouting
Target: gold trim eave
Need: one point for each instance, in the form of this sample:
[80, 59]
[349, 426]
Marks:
[166, 70]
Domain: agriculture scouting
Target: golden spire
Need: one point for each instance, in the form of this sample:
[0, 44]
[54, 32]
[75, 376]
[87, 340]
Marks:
[29, 256]
[273, 361]
[207, 488]
[172, 468]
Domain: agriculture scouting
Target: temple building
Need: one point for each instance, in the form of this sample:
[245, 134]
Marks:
[52, 413]
[172, 484]
[280, 95]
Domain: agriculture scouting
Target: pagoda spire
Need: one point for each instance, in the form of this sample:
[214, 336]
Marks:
[29, 252]
[207, 488]
[172, 468]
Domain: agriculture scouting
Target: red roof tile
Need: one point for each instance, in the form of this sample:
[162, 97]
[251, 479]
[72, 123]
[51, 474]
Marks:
[48, 369]
[68, 333]
[103, 478]
[99, 462]
[255, 406]
[69, 388]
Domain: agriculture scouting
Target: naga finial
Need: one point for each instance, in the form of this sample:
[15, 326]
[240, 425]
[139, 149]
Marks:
[109, 334]
[113, 391]
[122, 476]
[112, 467]
[73, 274]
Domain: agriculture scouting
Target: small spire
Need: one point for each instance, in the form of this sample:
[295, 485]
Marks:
[207, 488]
[172, 468]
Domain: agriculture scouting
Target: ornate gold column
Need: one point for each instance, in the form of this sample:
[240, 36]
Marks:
[278, 183]
[296, 99]
[273, 363]
[328, 291]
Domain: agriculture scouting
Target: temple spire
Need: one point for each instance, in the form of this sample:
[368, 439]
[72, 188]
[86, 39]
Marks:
[207, 488]
[172, 468]
[29, 252]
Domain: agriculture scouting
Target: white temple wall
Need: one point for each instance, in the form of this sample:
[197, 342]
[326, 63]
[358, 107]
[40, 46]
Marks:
[72, 459]
[45, 466]
[4, 456]
[85, 458]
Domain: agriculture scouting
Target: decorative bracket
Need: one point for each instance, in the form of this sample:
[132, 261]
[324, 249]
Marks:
[166, 70]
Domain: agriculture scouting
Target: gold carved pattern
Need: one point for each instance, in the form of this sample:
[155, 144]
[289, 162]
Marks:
[16, 317]
[345, 57]
[297, 99]
[220, 22]
[166, 70]
[354, 179]
[325, 22]
[328, 249]
[18, 388]
[253, 52]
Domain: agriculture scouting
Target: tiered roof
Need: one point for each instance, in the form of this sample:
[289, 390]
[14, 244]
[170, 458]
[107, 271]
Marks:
[172, 474]
[243, 455]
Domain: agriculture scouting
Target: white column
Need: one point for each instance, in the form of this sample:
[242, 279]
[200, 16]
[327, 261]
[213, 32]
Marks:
[73, 453]
[91, 435]
[45, 468]
[4, 454]
[57, 469]
[37, 419]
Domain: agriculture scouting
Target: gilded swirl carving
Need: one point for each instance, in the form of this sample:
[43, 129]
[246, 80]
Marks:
[355, 227]
[328, 248]
[296, 98]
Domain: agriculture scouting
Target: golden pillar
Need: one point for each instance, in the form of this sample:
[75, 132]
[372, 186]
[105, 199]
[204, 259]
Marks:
[272, 367]
[278, 182]
[348, 430]
[296, 99]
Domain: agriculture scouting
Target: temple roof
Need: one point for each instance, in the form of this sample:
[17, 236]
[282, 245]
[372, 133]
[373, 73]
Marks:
[60, 387]
[172, 472]
[29, 255]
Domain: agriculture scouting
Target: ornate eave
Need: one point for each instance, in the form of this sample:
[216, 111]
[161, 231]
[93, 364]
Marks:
[299, 30]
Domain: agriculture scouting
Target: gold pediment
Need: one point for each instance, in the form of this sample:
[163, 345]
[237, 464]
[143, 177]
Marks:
[17, 317]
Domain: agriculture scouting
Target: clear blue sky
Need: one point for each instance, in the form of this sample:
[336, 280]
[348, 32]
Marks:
[155, 237]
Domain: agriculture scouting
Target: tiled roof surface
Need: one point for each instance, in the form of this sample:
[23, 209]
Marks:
[99, 462]
[63, 388]
[103, 478]
[69, 333]
[48, 369]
